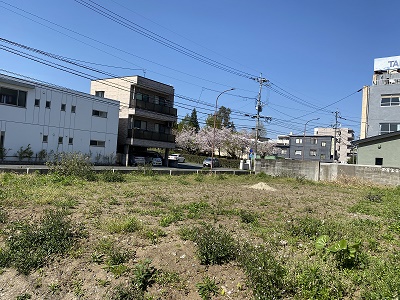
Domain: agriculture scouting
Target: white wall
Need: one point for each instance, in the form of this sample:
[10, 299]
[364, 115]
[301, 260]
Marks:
[23, 126]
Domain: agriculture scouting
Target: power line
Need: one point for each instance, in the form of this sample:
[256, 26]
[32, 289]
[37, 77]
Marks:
[105, 12]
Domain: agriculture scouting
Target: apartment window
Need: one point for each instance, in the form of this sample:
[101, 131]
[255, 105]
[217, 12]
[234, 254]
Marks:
[138, 124]
[313, 152]
[63, 106]
[48, 104]
[390, 100]
[389, 127]
[12, 97]
[297, 152]
[141, 96]
[314, 141]
[37, 102]
[378, 161]
[162, 101]
[99, 113]
[323, 144]
[73, 109]
[299, 141]
[323, 156]
[70, 141]
[99, 94]
[45, 138]
[284, 151]
[96, 143]
[60, 139]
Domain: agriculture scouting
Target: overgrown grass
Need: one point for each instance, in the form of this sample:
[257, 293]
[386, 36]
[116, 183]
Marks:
[30, 245]
[206, 226]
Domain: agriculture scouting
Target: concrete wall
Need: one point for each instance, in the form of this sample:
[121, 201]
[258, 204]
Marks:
[316, 171]
[285, 167]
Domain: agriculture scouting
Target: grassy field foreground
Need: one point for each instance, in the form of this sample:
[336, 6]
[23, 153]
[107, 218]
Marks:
[152, 236]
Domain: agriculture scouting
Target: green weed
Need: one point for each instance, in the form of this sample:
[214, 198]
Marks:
[30, 245]
[207, 288]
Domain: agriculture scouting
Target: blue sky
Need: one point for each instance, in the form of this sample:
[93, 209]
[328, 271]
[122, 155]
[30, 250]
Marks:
[316, 54]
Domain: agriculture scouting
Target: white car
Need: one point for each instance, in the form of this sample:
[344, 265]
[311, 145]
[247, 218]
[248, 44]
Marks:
[177, 157]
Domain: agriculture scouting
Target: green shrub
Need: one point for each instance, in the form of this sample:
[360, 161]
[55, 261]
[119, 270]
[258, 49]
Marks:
[347, 255]
[30, 245]
[110, 176]
[313, 283]
[25, 152]
[383, 280]
[265, 275]
[248, 216]
[72, 164]
[306, 227]
[207, 288]
[144, 274]
[214, 245]
[127, 292]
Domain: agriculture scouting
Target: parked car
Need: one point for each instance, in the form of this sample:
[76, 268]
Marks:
[148, 157]
[154, 158]
[211, 161]
[177, 156]
[137, 159]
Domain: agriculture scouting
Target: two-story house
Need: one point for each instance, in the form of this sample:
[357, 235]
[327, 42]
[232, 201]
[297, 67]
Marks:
[52, 119]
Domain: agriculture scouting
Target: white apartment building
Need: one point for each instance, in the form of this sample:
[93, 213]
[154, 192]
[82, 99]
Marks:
[344, 137]
[52, 119]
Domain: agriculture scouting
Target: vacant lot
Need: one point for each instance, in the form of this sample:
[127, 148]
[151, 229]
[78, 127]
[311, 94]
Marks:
[196, 237]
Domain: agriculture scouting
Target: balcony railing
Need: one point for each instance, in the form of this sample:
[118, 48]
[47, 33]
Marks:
[150, 135]
[154, 107]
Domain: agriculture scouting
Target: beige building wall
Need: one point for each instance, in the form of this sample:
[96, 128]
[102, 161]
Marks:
[364, 112]
[344, 138]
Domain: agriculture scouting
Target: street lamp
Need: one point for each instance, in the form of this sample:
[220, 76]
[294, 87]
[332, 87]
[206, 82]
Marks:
[215, 120]
[304, 134]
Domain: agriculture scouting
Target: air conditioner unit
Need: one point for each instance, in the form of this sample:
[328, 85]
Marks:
[392, 81]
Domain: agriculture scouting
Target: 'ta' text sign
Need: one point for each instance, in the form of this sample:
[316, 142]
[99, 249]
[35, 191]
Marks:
[387, 63]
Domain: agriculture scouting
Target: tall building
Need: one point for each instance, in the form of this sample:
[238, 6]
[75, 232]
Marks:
[51, 119]
[380, 111]
[344, 137]
[147, 114]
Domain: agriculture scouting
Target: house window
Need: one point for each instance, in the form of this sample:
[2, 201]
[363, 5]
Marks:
[70, 141]
[299, 141]
[390, 100]
[63, 105]
[313, 152]
[378, 161]
[48, 104]
[314, 141]
[96, 143]
[60, 139]
[323, 144]
[323, 156]
[12, 97]
[73, 109]
[99, 94]
[45, 138]
[297, 152]
[389, 127]
[99, 113]
[37, 102]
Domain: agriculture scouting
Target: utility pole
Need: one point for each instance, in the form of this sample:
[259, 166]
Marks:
[261, 81]
[335, 130]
